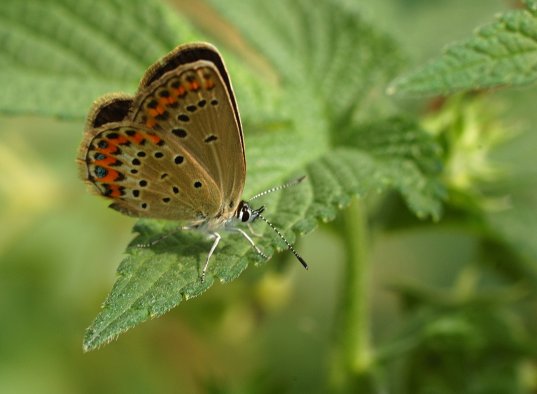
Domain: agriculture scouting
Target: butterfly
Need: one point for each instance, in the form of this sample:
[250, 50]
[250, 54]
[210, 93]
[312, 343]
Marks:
[175, 150]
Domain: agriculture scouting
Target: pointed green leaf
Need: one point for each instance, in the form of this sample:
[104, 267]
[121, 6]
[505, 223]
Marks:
[502, 53]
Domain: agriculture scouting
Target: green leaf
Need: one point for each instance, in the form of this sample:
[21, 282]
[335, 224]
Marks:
[328, 95]
[502, 53]
[59, 55]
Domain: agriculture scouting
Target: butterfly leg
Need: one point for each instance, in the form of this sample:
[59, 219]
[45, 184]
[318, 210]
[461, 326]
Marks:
[216, 237]
[163, 237]
[253, 232]
[245, 235]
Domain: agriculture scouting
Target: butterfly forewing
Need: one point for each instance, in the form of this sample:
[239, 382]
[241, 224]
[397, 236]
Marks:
[191, 107]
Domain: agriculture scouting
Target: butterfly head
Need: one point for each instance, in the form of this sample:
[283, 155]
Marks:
[246, 214]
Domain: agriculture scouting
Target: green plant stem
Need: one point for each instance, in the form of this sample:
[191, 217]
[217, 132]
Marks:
[353, 354]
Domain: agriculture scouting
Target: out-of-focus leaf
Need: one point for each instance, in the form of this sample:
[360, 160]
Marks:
[59, 55]
[502, 53]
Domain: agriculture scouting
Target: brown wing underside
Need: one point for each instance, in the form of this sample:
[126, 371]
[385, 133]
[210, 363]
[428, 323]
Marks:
[174, 151]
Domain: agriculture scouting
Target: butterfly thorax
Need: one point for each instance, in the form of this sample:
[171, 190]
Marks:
[242, 214]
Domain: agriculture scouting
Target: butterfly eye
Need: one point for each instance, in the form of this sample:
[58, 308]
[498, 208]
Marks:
[245, 214]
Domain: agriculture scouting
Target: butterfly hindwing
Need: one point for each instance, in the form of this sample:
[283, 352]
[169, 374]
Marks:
[146, 175]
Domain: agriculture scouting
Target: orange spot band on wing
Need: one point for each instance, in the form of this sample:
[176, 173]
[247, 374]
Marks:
[115, 191]
[164, 101]
[138, 137]
[108, 160]
[154, 138]
[194, 86]
[111, 176]
[121, 140]
[150, 123]
[158, 110]
[110, 149]
[181, 91]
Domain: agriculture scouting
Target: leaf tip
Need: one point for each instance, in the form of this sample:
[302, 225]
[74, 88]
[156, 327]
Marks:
[88, 345]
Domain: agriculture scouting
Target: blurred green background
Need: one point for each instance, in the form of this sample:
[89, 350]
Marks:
[266, 332]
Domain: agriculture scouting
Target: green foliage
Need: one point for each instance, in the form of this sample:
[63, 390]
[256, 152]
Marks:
[502, 53]
[450, 335]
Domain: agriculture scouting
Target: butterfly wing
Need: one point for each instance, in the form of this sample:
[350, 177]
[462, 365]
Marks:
[146, 175]
[190, 53]
[192, 105]
[175, 150]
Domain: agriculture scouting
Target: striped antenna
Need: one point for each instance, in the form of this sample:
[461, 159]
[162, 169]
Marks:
[289, 246]
[275, 189]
